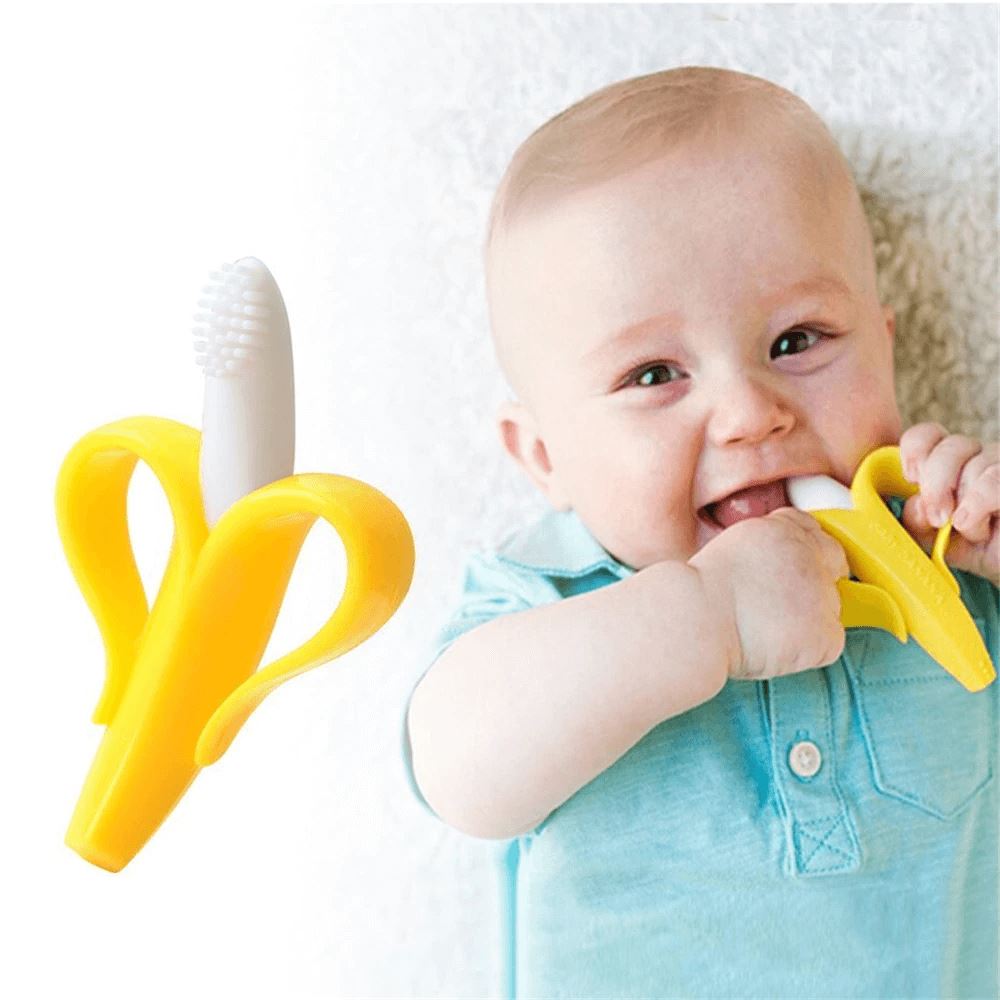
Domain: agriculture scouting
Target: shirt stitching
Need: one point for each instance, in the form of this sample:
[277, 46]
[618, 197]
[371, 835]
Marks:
[821, 844]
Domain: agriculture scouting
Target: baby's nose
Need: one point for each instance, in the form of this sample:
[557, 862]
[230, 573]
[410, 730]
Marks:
[747, 411]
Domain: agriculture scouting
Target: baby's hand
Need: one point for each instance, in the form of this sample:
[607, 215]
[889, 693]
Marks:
[958, 478]
[773, 579]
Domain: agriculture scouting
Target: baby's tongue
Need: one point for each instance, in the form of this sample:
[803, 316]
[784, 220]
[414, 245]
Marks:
[755, 501]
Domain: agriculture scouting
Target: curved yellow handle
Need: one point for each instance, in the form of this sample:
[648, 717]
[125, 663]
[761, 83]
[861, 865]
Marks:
[864, 605]
[262, 533]
[881, 474]
[91, 501]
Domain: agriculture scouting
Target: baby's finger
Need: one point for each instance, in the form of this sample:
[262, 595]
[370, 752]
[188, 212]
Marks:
[916, 444]
[979, 504]
[834, 556]
[841, 567]
[941, 473]
[975, 467]
[916, 523]
[830, 551]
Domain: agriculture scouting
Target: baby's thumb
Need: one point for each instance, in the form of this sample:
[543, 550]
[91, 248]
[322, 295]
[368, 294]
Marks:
[836, 559]
[832, 554]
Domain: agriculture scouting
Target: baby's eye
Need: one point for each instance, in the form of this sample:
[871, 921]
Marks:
[657, 374]
[794, 342]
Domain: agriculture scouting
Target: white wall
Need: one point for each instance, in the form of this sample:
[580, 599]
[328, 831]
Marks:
[355, 151]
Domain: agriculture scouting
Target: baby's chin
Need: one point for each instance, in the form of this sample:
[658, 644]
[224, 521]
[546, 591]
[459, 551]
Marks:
[640, 555]
[672, 543]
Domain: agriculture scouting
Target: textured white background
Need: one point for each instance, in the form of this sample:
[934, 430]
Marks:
[355, 151]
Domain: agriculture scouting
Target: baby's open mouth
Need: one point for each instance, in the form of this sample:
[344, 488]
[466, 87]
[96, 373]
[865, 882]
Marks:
[754, 501]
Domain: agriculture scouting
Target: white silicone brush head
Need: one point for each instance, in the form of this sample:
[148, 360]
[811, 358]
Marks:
[239, 307]
[818, 493]
[243, 343]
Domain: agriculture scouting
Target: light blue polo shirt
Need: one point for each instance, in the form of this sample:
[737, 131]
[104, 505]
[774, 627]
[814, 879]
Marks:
[829, 834]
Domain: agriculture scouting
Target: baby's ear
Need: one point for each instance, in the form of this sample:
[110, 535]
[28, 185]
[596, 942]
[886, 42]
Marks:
[890, 321]
[521, 438]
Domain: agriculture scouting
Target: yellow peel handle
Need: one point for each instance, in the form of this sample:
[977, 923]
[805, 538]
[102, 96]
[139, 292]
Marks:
[863, 605]
[253, 547]
[91, 501]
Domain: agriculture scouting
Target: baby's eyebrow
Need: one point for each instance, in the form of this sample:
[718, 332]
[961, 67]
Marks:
[819, 284]
[670, 323]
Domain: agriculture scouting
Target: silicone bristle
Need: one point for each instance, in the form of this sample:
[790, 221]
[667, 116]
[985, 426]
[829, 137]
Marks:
[230, 328]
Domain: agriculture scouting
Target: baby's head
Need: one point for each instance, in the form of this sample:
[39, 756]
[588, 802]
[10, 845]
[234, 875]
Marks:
[682, 296]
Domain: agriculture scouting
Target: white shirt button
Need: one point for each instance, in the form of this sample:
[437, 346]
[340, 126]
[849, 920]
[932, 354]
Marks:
[805, 759]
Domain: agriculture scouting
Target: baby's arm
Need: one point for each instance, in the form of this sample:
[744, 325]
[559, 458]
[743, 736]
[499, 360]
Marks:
[521, 712]
[518, 714]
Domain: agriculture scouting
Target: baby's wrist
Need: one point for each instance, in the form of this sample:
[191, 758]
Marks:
[719, 613]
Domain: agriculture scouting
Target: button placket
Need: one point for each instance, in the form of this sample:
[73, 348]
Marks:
[820, 834]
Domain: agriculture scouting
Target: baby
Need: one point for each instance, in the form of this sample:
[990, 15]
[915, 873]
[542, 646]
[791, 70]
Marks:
[714, 791]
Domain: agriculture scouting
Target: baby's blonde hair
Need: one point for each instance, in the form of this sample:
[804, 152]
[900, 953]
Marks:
[626, 124]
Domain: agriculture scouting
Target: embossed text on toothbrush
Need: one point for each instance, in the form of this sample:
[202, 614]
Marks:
[912, 562]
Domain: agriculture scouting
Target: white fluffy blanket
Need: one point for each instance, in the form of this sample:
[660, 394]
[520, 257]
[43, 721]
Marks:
[416, 113]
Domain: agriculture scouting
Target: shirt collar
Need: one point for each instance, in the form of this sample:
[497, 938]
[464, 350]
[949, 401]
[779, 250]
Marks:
[560, 545]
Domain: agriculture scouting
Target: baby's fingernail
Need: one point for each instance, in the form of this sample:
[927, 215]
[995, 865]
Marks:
[934, 516]
[961, 518]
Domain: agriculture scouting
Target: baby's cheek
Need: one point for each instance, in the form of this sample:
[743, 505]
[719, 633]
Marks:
[875, 419]
[859, 412]
[642, 504]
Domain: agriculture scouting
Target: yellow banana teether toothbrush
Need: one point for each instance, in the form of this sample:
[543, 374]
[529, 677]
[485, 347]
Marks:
[901, 589]
[182, 678]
